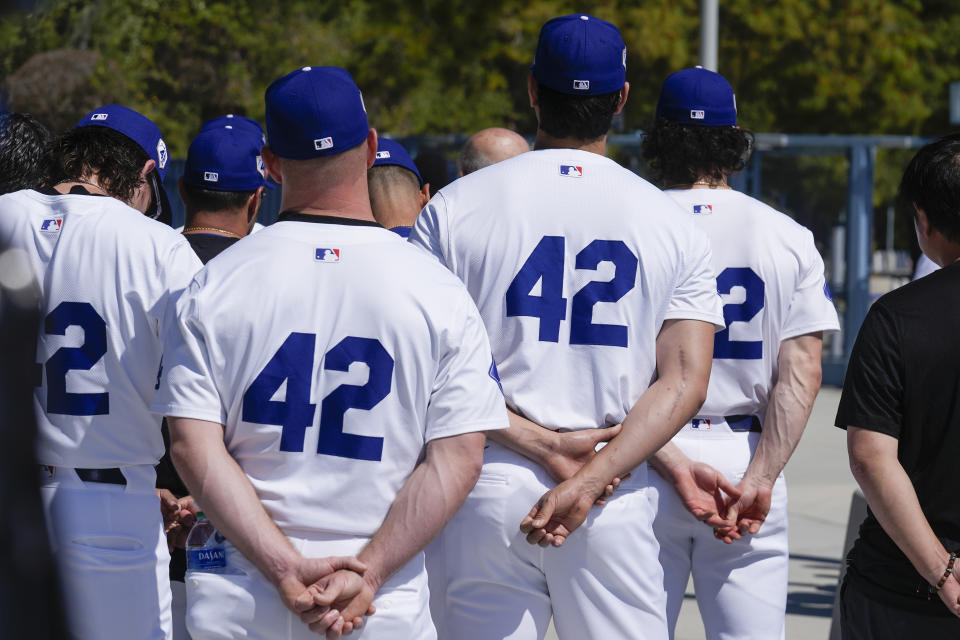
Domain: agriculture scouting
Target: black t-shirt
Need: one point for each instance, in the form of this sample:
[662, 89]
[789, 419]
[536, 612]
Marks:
[207, 245]
[904, 380]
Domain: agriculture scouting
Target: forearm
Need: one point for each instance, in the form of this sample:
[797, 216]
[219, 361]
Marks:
[668, 460]
[894, 502]
[428, 499]
[684, 358]
[225, 494]
[525, 437]
[659, 414]
[791, 400]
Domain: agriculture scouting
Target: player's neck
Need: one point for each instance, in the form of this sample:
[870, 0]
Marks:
[703, 182]
[230, 223]
[341, 202]
[546, 141]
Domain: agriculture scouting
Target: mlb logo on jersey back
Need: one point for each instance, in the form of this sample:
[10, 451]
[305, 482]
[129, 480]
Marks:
[327, 255]
[702, 209]
[323, 143]
[571, 171]
[51, 225]
[700, 423]
[581, 85]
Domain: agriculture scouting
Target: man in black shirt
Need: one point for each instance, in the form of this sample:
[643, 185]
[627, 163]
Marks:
[901, 409]
[222, 188]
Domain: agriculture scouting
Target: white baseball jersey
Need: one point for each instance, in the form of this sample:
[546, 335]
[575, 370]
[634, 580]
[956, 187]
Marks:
[109, 278]
[770, 276]
[574, 263]
[347, 352]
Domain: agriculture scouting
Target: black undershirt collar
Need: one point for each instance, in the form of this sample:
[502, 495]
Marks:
[296, 216]
[75, 190]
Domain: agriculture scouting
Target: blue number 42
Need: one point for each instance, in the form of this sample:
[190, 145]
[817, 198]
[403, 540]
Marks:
[293, 363]
[545, 265]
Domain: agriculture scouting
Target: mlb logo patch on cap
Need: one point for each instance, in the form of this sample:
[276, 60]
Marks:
[383, 155]
[211, 176]
[323, 143]
[327, 255]
[571, 170]
[581, 85]
[702, 209]
[51, 225]
[98, 116]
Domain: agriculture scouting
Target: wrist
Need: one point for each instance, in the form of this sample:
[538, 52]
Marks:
[282, 566]
[374, 576]
[940, 571]
[763, 479]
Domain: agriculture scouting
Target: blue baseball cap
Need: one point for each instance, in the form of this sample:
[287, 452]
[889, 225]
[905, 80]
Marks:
[138, 128]
[392, 152]
[314, 112]
[238, 122]
[698, 96]
[225, 158]
[580, 55]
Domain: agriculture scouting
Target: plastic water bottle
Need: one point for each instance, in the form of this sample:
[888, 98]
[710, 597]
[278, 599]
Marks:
[205, 550]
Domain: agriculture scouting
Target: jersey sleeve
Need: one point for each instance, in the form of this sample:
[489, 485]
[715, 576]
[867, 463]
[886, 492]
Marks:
[873, 387]
[187, 388]
[466, 394]
[695, 294]
[811, 307]
[179, 267]
[430, 230]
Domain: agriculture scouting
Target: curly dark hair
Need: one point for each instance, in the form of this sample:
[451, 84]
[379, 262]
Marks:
[585, 118]
[112, 156]
[24, 152]
[682, 154]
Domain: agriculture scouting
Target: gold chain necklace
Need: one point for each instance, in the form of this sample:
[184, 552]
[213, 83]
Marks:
[214, 229]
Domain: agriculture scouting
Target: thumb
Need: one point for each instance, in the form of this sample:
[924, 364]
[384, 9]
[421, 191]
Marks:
[347, 563]
[607, 433]
[543, 511]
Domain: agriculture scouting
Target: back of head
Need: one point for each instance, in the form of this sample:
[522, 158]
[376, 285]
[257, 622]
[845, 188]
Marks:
[695, 134]
[489, 146]
[223, 169]
[395, 185]
[24, 152]
[105, 144]
[580, 68]
[316, 126]
[112, 157]
[931, 182]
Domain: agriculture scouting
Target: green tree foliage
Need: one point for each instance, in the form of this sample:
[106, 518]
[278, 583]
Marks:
[452, 66]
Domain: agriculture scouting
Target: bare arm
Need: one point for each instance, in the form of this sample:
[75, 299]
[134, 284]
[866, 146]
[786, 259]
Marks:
[684, 358]
[893, 500]
[428, 499]
[791, 401]
[221, 487]
[561, 454]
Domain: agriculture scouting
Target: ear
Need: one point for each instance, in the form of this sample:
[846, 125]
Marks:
[922, 222]
[253, 206]
[623, 97]
[532, 91]
[371, 147]
[272, 164]
[424, 194]
[148, 166]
